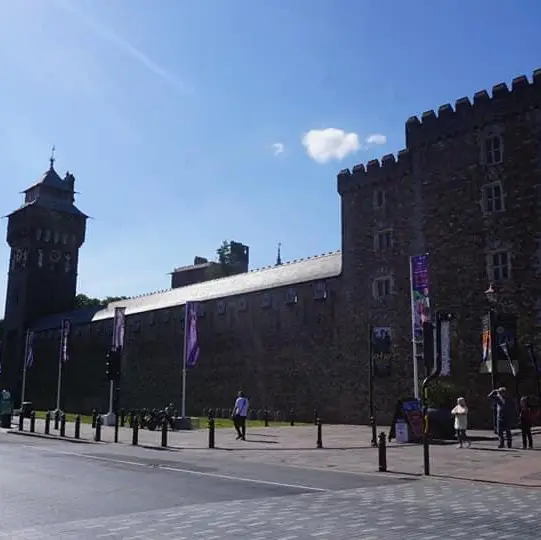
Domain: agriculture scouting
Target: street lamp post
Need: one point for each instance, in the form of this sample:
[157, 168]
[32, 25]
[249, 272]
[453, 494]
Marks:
[372, 420]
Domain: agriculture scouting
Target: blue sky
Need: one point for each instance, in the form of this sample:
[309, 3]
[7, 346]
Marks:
[184, 120]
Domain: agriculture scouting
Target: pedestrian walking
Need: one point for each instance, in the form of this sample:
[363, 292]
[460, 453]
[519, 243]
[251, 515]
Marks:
[504, 414]
[526, 418]
[460, 412]
[240, 412]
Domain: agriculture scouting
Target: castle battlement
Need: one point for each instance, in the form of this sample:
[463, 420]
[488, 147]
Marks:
[375, 171]
[466, 116]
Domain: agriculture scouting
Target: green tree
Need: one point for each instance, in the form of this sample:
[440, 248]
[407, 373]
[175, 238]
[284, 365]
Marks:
[84, 301]
[225, 258]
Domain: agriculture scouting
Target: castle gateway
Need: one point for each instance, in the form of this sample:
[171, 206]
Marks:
[465, 190]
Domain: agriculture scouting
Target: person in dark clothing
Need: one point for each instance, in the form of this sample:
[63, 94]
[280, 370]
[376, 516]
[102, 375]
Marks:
[504, 415]
[526, 423]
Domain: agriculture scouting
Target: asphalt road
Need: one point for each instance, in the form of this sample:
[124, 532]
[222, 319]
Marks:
[56, 490]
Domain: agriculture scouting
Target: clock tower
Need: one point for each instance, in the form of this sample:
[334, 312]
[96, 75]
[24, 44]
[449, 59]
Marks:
[44, 235]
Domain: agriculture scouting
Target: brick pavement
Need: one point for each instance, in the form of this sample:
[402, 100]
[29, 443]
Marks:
[346, 449]
[423, 510]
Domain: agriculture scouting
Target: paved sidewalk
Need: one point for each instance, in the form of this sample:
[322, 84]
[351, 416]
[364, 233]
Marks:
[345, 448]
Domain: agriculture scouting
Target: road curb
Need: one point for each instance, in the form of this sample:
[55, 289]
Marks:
[50, 437]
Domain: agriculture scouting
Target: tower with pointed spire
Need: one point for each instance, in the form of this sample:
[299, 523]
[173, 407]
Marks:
[44, 235]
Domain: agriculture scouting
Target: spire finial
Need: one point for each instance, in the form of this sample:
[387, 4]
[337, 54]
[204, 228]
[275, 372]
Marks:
[279, 254]
[52, 156]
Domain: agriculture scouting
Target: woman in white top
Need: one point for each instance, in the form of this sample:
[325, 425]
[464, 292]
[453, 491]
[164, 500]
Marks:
[460, 412]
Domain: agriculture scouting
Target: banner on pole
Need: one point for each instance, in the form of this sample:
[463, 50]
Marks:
[192, 341]
[445, 328]
[119, 327]
[64, 336]
[29, 360]
[420, 294]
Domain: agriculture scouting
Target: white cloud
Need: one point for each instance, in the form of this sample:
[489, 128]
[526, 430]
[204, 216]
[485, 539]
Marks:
[278, 148]
[322, 145]
[376, 138]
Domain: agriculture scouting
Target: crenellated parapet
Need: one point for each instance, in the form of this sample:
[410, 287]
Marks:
[373, 172]
[467, 115]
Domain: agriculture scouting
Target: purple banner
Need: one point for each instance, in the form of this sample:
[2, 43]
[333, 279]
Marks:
[420, 294]
[192, 342]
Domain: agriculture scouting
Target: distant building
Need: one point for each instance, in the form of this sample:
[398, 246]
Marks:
[465, 190]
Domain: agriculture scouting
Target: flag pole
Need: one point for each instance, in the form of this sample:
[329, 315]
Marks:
[59, 382]
[184, 359]
[25, 362]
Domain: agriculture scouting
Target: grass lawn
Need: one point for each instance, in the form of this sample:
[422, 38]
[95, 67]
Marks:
[203, 421]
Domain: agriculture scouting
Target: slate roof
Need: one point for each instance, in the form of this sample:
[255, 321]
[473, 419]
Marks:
[291, 273]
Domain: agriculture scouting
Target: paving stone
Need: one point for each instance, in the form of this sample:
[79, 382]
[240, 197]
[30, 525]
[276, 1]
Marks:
[425, 510]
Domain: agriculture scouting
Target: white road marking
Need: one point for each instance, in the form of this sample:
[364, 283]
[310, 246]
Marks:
[178, 470]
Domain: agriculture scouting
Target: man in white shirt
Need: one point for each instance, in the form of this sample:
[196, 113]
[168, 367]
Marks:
[240, 412]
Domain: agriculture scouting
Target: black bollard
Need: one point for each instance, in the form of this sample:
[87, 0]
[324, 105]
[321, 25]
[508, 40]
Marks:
[47, 423]
[266, 417]
[62, 425]
[122, 418]
[211, 432]
[78, 426]
[21, 421]
[32, 422]
[382, 453]
[164, 433]
[94, 418]
[130, 419]
[97, 434]
[316, 417]
[135, 434]
[291, 417]
[56, 419]
[319, 443]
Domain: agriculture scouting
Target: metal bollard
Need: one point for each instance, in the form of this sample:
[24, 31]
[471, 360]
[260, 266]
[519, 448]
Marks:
[56, 419]
[94, 418]
[266, 417]
[78, 426]
[291, 417]
[130, 418]
[164, 433]
[319, 443]
[122, 417]
[47, 423]
[382, 453]
[32, 422]
[97, 434]
[316, 417]
[211, 432]
[21, 421]
[62, 425]
[135, 434]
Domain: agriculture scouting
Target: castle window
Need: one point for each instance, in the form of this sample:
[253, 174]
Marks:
[242, 304]
[382, 288]
[320, 291]
[291, 296]
[64, 238]
[493, 198]
[499, 266]
[220, 307]
[383, 240]
[493, 150]
[379, 199]
[151, 318]
[166, 315]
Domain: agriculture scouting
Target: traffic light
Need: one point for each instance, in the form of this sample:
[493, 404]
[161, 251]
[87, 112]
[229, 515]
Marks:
[112, 364]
